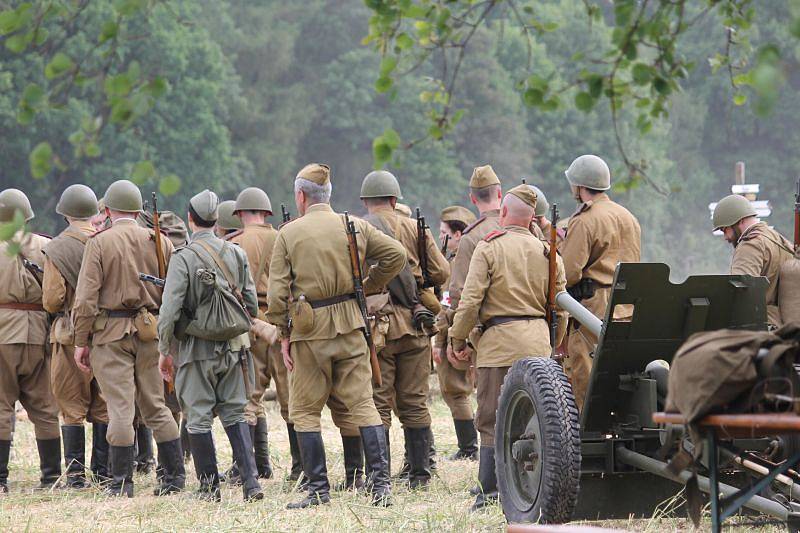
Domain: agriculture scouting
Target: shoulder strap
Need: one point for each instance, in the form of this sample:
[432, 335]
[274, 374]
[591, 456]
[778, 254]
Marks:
[223, 268]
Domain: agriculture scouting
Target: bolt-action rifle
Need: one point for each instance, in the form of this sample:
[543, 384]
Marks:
[158, 282]
[422, 252]
[162, 264]
[286, 216]
[552, 313]
[361, 299]
[32, 267]
[445, 242]
[797, 216]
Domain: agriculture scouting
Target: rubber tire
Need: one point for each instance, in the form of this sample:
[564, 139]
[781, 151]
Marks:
[541, 383]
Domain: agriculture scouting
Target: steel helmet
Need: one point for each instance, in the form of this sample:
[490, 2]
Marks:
[589, 171]
[253, 199]
[11, 201]
[123, 195]
[542, 206]
[731, 210]
[77, 201]
[380, 184]
[227, 220]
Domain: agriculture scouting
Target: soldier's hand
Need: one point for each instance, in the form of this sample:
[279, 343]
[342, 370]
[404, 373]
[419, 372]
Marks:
[82, 359]
[437, 355]
[167, 367]
[287, 354]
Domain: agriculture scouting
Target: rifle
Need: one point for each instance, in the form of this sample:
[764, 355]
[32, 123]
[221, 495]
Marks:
[445, 242]
[248, 389]
[162, 264]
[286, 216]
[158, 282]
[552, 316]
[32, 267]
[422, 251]
[358, 288]
[797, 216]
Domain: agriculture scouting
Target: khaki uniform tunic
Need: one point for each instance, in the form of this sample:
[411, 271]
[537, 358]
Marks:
[24, 367]
[508, 276]
[405, 361]
[311, 259]
[761, 251]
[257, 241]
[600, 234]
[470, 237]
[77, 394]
[125, 366]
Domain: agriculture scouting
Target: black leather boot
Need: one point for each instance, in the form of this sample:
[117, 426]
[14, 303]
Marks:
[261, 448]
[296, 474]
[5, 453]
[312, 450]
[353, 464]
[185, 444]
[99, 465]
[205, 465]
[173, 477]
[144, 450]
[74, 438]
[467, 438]
[388, 450]
[487, 480]
[242, 445]
[49, 461]
[376, 451]
[121, 466]
[432, 451]
[418, 445]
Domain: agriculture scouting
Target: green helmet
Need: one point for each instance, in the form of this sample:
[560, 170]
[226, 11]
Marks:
[542, 207]
[589, 171]
[380, 184]
[731, 210]
[11, 201]
[77, 201]
[123, 195]
[226, 219]
[253, 199]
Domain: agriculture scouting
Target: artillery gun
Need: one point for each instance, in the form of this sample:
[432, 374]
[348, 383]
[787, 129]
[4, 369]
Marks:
[553, 468]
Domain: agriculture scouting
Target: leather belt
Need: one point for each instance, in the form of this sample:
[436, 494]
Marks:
[22, 307]
[125, 313]
[497, 320]
[333, 300]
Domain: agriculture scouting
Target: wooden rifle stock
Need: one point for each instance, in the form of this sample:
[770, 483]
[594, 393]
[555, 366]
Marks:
[422, 252]
[797, 216]
[552, 314]
[361, 299]
[162, 264]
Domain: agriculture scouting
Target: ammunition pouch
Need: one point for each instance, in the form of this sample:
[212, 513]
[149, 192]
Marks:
[379, 307]
[584, 289]
[146, 325]
[302, 316]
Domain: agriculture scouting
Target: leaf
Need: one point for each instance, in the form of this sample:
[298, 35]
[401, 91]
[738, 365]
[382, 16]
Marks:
[403, 41]
[142, 172]
[157, 87]
[57, 66]
[661, 86]
[10, 228]
[169, 185]
[740, 99]
[16, 43]
[532, 97]
[435, 132]
[388, 63]
[457, 116]
[109, 30]
[584, 101]
[127, 8]
[383, 84]
[33, 95]
[641, 73]
[381, 152]
[550, 26]
[9, 21]
[93, 150]
[121, 111]
[41, 160]
[25, 115]
[391, 138]
[119, 85]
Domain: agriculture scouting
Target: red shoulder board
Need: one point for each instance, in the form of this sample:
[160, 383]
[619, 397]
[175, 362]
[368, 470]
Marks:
[473, 226]
[232, 235]
[492, 235]
[98, 232]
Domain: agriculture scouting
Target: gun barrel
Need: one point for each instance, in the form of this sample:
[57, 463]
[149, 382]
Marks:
[579, 312]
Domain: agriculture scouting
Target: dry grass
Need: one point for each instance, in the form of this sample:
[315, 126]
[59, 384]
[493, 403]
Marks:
[445, 507]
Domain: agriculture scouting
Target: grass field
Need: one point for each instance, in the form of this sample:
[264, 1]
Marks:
[444, 507]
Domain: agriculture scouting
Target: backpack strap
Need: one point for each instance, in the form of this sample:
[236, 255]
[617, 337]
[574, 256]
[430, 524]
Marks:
[223, 268]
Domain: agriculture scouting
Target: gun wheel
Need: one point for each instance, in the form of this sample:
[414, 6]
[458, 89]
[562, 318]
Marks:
[538, 446]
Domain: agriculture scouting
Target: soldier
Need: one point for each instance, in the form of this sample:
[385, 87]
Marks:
[758, 250]
[118, 311]
[506, 292]
[403, 209]
[324, 351]
[227, 223]
[100, 220]
[405, 360]
[24, 365]
[77, 394]
[210, 377]
[600, 234]
[257, 239]
[455, 381]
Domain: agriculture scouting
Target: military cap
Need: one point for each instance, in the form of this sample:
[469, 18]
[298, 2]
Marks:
[316, 172]
[403, 209]
[226, 219]
[525, 193]
[77, 201]
[253, 199]
[13, 200]
[205, 204]
[456, 213]
[483, 177]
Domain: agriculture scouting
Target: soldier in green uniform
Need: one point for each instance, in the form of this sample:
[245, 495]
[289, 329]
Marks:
[227, 222]
[24, 365]
[325, 352]
[209, 378]
[77, 394]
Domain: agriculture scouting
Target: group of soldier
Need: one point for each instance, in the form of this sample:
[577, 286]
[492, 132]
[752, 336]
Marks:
[88, 331]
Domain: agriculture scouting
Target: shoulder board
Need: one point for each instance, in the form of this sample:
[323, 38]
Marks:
[492, 235]
[98, 232]
[473, 225]
[232, 235]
